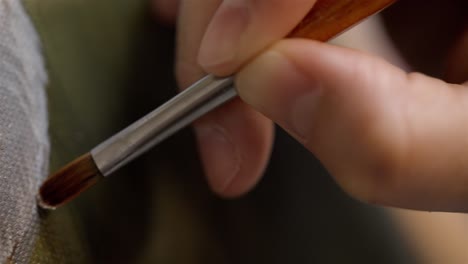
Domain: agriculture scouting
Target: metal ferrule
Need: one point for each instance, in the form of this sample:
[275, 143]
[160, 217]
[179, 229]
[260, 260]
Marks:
[200, 98]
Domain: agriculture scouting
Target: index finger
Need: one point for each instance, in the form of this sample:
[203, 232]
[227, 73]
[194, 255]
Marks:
[241, 29]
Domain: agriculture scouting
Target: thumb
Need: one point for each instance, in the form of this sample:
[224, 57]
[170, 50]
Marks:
[386, 136]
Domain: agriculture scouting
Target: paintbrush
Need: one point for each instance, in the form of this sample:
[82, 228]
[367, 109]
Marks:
[326, 19]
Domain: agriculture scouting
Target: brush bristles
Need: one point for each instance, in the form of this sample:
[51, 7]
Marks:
[69, 182]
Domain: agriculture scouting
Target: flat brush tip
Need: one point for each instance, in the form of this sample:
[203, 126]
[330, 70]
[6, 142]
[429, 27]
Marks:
[68, 182]
[43, 204]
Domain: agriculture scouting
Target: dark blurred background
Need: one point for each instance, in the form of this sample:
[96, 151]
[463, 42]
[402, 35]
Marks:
[111, 62]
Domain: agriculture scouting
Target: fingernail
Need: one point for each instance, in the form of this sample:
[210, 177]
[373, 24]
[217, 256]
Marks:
[276, 86]
[220, 157]
[220, 43]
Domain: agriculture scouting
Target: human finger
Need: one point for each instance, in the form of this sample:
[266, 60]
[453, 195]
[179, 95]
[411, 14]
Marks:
[234, 141]
[240, 29]
[386, 136]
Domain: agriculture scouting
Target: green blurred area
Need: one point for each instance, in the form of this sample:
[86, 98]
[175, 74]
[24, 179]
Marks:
[89, 46]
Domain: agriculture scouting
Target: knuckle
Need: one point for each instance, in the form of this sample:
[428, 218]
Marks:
[375, 186]
[381, 176]
[415, 77]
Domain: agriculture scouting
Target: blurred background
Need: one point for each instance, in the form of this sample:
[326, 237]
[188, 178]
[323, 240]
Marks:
[111, 62]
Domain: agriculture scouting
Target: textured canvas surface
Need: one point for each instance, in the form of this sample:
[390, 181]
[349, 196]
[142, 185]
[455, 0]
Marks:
[24, 147]
[27, 234]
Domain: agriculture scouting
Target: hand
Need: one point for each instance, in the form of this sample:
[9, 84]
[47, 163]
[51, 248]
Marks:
[235, 141]
[386, 136]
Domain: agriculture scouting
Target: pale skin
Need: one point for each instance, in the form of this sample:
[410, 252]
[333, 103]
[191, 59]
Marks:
[388, 137]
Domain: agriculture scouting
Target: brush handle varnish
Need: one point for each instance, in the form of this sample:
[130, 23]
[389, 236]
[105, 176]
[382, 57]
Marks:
[328, 18]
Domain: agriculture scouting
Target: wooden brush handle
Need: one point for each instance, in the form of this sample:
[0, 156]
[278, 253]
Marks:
[328, 18]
